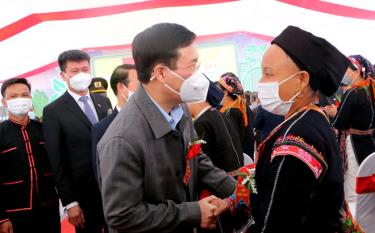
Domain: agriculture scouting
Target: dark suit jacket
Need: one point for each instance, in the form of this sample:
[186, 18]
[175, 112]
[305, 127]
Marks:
[97, 133]
[141, 162]
[67, 133]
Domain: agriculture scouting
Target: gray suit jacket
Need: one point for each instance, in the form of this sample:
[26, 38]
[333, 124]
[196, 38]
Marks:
[141, 168]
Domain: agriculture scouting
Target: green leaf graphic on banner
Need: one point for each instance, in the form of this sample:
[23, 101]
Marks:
[40, 100]
[58, 86]
[250, 66]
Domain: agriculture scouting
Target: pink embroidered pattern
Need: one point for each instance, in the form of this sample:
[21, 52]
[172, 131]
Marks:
[295, 146]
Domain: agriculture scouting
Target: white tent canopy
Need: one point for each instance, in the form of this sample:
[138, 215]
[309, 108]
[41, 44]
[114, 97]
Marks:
[33, 33]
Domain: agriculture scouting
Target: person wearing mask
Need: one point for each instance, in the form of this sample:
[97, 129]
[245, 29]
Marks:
[355, 119]
[356, 111]
[28, 202]
[149, 160]
[67, 124]
[223, 144]
[236, 109]
[124, 82]
[298, 176]
[330, 104]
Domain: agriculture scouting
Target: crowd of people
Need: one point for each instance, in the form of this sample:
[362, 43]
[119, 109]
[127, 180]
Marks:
[181, 153]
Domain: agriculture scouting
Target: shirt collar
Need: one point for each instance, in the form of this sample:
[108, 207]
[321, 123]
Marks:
[19, 124]
[174, 117]
[76, 96]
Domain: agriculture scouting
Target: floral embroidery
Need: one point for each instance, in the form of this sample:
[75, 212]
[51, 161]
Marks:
[297, 147]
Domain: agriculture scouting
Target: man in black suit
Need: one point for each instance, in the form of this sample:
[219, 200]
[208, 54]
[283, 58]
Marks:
[67, 126]
[124, 82]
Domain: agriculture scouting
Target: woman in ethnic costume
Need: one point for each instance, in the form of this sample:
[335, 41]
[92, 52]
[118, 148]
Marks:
[355, 120]
[299, 169]
[236, 109]
[356, 111]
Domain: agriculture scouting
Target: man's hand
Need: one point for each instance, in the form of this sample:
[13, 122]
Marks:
[331, 110]
[221, 205]
[76, 217]
[208, 218]
[6, 227]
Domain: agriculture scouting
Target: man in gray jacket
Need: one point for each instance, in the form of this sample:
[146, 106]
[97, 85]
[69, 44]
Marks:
[148, 171]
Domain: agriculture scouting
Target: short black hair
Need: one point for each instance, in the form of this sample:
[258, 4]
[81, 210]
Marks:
[159, 44]
[120, 75]
[72, 55]
[13, 81]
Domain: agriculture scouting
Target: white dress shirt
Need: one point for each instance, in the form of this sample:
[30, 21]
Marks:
[80, 103]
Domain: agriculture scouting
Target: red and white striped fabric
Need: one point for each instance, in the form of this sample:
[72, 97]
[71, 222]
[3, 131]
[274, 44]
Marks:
[365, 188]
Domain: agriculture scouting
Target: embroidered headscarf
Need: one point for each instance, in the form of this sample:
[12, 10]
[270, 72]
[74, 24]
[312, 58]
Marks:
[233, 85]
[363, 65]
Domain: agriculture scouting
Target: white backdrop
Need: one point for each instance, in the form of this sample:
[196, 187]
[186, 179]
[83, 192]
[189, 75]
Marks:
[26, 45]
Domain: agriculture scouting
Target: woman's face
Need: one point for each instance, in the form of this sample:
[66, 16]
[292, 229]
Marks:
[277, 67]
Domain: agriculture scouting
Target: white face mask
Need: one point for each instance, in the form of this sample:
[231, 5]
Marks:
[253, 106]
[80, 81]
[130, 93]
[268, 94]
[19, 106]
[193, 88]
[347, 81]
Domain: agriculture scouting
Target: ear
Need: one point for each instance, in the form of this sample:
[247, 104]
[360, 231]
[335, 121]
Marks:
[63, 76]
[4, 102]
[119, 87]
[304, 79]
[159, 72]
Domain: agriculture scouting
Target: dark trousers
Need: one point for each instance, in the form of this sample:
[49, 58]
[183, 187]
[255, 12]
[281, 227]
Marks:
[41, 219]
[91, 205]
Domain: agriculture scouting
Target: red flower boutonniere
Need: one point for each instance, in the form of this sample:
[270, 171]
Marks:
[193, 150]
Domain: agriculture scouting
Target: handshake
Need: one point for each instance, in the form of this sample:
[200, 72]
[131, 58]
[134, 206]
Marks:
[211, 207]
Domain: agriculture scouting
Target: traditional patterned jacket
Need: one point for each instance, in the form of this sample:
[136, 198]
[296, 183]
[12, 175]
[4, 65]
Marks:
[299, 177]
[25, 175]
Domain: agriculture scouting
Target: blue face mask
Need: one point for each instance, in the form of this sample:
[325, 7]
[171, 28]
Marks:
[215, 95]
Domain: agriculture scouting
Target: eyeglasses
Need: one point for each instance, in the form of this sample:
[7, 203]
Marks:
[193, 67]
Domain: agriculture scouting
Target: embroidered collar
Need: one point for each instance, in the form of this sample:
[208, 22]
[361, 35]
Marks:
[275, 130]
